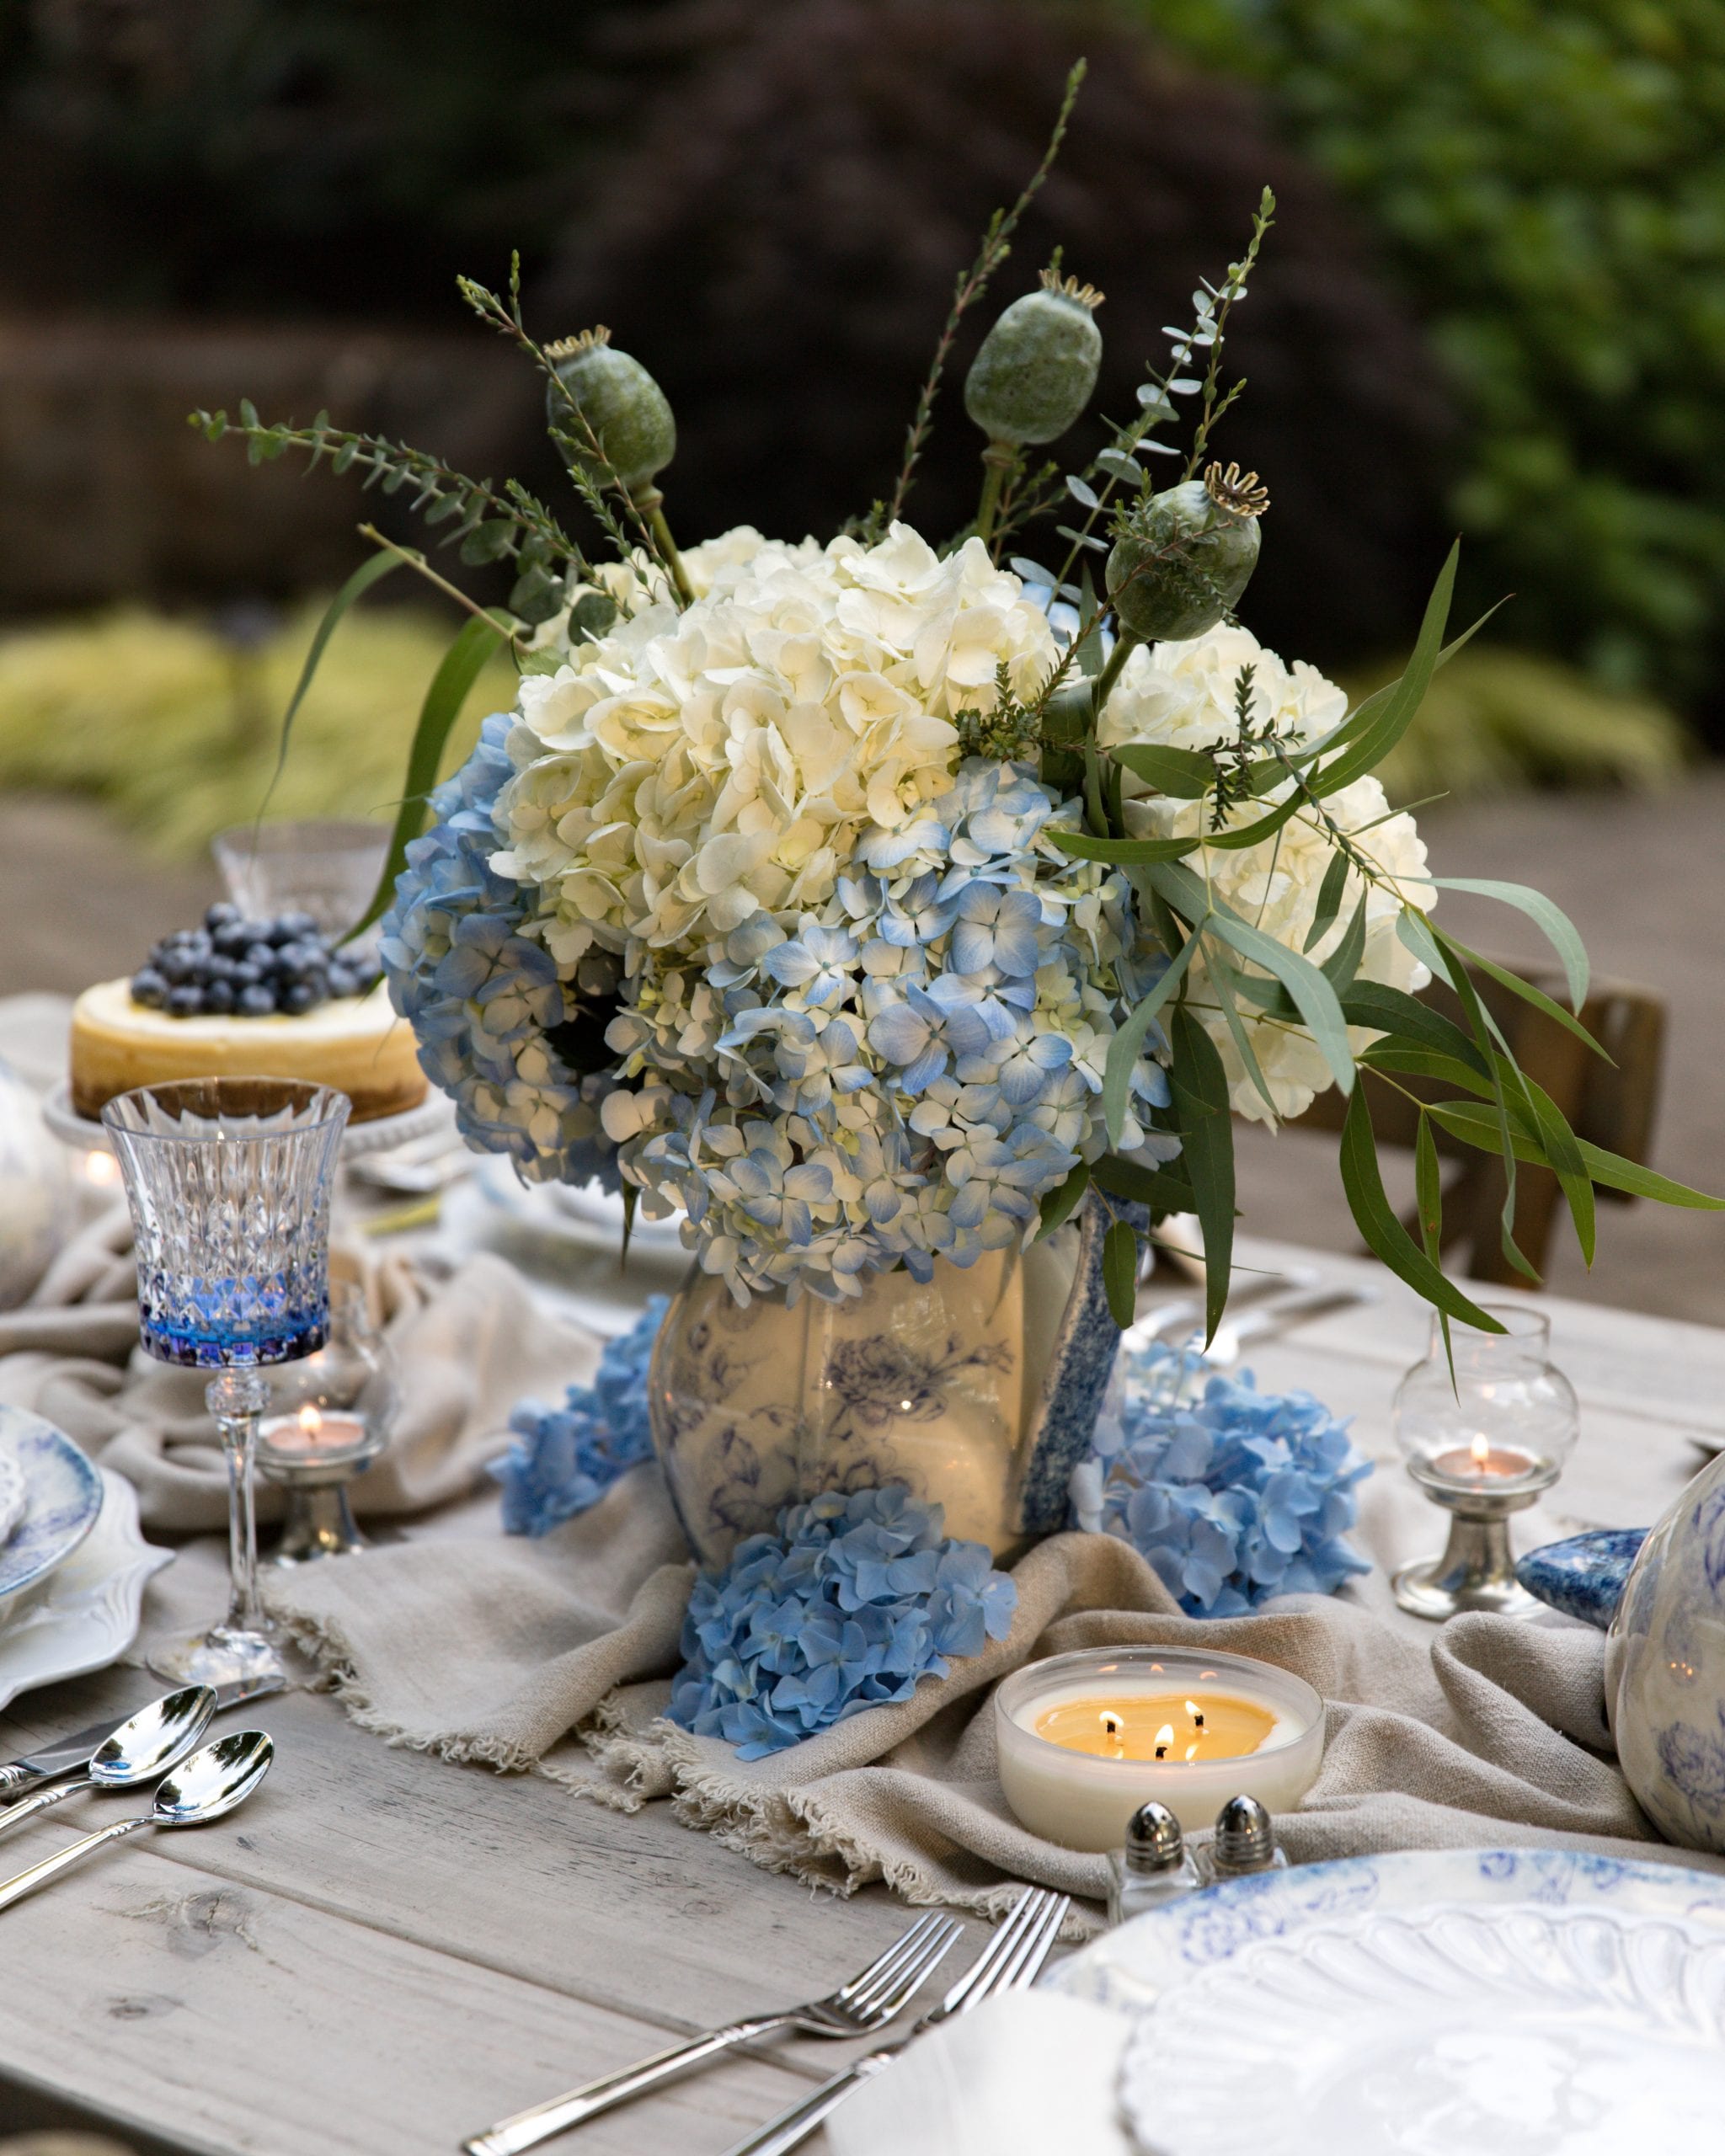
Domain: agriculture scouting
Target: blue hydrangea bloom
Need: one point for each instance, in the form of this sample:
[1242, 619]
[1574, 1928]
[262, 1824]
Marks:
[565, 1458]
[1233, 1494]
[480, 996]
[849, 1605]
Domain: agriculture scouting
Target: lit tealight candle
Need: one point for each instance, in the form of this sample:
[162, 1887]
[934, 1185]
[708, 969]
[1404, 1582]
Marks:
[1482, 1464]
[1081, 1741]
[101, 1170]
[313, 1432]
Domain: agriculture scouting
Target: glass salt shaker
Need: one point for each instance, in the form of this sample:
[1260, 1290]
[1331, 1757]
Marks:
[1154, 1868]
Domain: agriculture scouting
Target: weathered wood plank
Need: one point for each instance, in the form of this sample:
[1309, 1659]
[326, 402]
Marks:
[225, 2017]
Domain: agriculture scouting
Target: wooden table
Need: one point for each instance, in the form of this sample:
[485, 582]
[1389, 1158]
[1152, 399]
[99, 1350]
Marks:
[383, 1953]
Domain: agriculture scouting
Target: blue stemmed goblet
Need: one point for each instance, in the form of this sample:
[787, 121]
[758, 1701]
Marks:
[229, 1181]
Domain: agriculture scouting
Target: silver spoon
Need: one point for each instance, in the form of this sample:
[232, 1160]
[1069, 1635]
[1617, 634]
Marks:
[211, 1782]
[145, 1745]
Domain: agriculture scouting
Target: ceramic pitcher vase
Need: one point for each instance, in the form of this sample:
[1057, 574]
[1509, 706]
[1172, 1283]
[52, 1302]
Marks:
[1665, 1668]
[979, 1390]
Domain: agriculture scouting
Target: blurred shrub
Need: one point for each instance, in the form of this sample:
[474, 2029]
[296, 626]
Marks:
[1495, 721]
[780, 245]
[176, 726]
[1549, 176]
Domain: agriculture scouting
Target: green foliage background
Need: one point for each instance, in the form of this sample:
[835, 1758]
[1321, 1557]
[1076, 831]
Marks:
[1547, 177]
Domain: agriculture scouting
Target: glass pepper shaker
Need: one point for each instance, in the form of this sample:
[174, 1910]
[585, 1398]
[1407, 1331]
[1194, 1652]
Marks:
[1154, 1868]
[1244, 1841]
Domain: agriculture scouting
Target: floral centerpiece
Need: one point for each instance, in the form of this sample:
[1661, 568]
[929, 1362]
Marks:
[906, 911]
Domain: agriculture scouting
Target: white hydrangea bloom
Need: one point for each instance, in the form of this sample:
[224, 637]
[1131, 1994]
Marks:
[687, 771]
[1183, 695]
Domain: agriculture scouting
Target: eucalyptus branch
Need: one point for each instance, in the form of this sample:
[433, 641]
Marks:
[490, 526]
[970, 287]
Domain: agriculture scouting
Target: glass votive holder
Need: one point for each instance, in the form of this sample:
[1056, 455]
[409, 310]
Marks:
[1482, 1445]
[323, 866]
[1081, 1741]
[329, 1419]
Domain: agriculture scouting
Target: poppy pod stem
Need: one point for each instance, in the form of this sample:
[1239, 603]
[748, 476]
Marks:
[650, 501]
[998, 460]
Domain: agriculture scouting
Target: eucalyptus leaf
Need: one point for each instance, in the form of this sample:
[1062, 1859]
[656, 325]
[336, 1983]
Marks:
[451, 685]
[1329, 900]
[1128, 1043]
[1119, 1273]
[1181, 772]
[1376, 1219]
[1058, 1203]
[1559, 930]
[1199, 1085]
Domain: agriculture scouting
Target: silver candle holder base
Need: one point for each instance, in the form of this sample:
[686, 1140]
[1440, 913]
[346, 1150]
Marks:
[317, 1520]
[1476, 1569]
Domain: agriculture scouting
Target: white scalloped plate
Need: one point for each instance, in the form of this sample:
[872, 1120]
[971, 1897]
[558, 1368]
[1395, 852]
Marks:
[86, 1614]
[1129, 1968]
[1496, 2032]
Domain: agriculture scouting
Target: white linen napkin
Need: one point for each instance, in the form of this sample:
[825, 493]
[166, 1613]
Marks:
[1030, 2074]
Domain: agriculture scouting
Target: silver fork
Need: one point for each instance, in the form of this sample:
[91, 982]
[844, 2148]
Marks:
[1012, 1960]
[857, 2009]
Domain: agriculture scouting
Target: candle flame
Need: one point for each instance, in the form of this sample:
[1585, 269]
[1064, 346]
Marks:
[1164, 1735]
[1110, 1723]
[1481, 1449]
[101, 1169]
[1191, 1708]
[311, 1421]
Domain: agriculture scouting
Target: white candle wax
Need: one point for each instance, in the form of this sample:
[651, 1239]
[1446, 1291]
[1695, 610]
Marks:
[1084, 1801]
[313, 1433]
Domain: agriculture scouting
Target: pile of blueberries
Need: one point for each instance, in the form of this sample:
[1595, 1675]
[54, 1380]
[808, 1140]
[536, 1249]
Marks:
[254, 969]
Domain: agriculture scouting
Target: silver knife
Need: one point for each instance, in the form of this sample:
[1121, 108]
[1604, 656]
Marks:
[67, 1754]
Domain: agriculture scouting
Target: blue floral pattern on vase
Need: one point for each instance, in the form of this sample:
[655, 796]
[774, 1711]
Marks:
[1583, 1576]
[978, 1390]
[1665, 1668]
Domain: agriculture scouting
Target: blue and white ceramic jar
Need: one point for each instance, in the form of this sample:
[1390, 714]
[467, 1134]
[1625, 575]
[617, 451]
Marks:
[1665, 1668]
[979, 1390]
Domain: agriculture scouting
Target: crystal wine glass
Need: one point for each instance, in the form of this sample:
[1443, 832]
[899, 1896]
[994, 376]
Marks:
[228, 1180]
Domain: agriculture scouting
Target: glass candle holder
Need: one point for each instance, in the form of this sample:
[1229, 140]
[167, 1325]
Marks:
[329, 1418]
[323, 866]
[1481, 1447]
[1081, 1741]
[228, 1182]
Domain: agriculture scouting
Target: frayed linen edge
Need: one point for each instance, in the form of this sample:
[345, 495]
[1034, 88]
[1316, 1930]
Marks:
[324, 1643]
[792, 1831]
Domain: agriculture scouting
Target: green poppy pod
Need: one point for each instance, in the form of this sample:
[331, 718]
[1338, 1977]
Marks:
[621, 403]
[1037, 365]
[1188, 556]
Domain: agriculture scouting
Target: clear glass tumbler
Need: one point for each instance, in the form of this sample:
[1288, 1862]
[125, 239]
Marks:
[323, 866]
[228, 1180]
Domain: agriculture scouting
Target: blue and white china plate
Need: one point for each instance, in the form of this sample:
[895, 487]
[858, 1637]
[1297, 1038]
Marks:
[86, 1614]
[1159, 1952]
[62, 1497]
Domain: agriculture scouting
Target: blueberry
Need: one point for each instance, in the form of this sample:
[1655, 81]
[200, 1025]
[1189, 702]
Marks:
[174, 966]
[219, 915]
[219, 967]
[230, 939]
[258, 931]
[184, 1002]
[244, 974]
[255, 1002]
[149, 988]
[299, 996]
[260, 954]
[298, 926]
[218, 999]
[341, 981]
